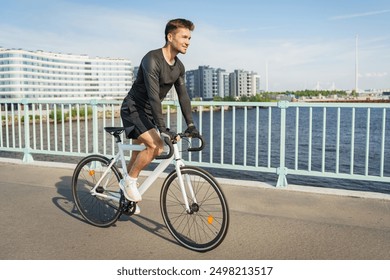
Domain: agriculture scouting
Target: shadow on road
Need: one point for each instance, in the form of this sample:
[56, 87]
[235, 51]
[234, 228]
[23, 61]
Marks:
[66, 204]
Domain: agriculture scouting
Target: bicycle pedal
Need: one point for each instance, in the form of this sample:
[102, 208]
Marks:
[128, 207]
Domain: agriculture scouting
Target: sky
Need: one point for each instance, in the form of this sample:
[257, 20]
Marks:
[292, 45]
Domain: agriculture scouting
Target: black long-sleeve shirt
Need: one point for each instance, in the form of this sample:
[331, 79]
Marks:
[155, 78]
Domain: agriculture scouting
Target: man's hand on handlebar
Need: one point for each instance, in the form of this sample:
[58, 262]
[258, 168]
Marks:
[168, 133]
[191, 131]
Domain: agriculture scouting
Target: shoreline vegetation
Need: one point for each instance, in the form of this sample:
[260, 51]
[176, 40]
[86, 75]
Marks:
[299, 96]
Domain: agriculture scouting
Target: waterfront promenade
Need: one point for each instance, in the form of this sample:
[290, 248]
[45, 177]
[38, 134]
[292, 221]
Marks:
[38, 221]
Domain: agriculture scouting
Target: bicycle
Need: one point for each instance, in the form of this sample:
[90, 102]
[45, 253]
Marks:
[193, 206]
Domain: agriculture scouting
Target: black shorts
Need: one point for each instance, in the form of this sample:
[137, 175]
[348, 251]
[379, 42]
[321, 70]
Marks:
[134, 116]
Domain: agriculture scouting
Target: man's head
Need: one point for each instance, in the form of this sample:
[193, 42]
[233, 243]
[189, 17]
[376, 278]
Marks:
[175, 24]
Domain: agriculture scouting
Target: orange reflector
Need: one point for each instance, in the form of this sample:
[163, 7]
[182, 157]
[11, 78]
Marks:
[210, 219]
[91, 172]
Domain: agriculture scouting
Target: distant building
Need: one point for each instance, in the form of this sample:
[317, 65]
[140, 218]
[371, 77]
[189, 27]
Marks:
[201, 83]
[223, 87]
[206, 83]
[32, 74]
[46, 74]
[193, 84]
[244, 83]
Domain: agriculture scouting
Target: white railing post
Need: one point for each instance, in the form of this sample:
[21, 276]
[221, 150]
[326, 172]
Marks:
[282, 169]
[179, 125]
[27, 157]
[95, 126]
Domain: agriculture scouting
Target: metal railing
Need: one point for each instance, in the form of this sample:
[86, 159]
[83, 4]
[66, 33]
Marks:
[333, 140]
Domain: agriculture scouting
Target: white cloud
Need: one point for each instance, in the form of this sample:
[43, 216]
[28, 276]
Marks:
[360, 15]
[292, 63]
[88, 30]
[376, 75]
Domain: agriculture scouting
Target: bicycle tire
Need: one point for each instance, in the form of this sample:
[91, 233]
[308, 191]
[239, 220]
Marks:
[96, 210]
[207, 226]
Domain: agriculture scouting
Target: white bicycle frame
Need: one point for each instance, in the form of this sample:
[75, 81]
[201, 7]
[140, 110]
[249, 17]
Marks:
[176, 158]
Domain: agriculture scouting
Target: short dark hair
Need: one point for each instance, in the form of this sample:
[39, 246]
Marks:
[174, 24]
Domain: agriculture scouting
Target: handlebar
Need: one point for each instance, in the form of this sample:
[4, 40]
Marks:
[170, 142]
[194, 149]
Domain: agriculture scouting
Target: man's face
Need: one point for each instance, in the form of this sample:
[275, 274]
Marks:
[180, 39]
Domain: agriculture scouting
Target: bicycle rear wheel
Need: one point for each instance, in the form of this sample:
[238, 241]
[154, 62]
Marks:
[97, 210]
[206, 226]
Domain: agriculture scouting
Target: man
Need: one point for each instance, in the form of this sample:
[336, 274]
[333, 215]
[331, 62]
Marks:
[141, 111]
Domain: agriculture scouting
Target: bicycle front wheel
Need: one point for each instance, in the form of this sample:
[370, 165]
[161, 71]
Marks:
[204, 227]
[98, 210]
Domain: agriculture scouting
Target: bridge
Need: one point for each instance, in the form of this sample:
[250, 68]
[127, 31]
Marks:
[41, 141]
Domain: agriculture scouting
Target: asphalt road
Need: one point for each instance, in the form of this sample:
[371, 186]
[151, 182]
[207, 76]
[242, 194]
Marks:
[38, 221]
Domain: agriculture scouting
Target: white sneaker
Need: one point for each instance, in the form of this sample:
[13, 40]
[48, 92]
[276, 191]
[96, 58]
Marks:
[130, 190]
[137, 210]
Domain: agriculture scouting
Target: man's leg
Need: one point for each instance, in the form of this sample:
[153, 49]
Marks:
[134, 155]
[153, 147]
[139, 160]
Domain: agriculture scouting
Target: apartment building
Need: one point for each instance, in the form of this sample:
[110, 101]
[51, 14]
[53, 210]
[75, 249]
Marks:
[201, 83]
[223, 87]
[206, 83]
[46, 74]
[192, 84]
[244, 83]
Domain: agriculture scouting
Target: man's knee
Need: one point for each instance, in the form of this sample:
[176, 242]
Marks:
[156, 148]
[159, 148]
[153, 142]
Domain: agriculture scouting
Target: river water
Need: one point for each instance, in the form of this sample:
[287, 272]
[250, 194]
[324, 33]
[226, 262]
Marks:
[270, 121]
[262, 122]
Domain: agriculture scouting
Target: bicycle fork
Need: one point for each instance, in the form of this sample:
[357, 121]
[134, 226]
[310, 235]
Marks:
[185, 183]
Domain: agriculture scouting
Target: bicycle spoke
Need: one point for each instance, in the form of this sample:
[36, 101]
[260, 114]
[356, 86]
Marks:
[97, 210]
[206, 225]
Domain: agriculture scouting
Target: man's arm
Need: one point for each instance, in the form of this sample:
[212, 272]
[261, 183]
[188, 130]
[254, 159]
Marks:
[184, 100]
[151, 78]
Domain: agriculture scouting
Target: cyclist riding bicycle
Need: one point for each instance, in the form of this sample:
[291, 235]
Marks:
[141, 110]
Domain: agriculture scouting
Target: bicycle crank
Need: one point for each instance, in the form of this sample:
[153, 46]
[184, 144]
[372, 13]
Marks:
[128, 207]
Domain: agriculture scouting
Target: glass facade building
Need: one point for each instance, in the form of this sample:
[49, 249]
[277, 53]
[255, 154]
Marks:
[25, 74]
